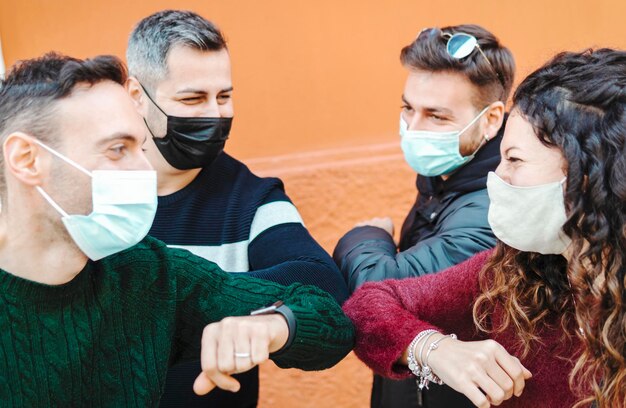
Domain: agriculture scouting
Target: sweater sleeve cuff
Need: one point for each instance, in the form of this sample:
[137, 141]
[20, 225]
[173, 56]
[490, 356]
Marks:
[391, 368]
[331, 336]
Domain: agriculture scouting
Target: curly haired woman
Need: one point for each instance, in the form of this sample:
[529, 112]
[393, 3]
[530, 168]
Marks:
[541, 320]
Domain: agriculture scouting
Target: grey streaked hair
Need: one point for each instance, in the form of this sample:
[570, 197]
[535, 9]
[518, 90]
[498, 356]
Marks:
[152, 39]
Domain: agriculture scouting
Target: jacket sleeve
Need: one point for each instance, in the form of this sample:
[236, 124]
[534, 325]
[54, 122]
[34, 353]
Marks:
[205, 294]
[387, 315]
[282, 250]
[369, 253]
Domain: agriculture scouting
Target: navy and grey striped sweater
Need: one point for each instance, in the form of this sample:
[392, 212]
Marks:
[245, 224]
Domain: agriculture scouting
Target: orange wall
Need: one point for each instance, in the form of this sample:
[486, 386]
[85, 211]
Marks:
[317, 99]
[314, 74]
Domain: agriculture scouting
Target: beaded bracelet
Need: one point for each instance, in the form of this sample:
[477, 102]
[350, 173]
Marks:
[427, 375]
[421, 353]
[413, 364]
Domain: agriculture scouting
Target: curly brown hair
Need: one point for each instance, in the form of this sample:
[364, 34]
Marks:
[576, 103]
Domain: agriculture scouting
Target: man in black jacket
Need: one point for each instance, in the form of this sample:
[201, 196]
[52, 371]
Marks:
[451, 126]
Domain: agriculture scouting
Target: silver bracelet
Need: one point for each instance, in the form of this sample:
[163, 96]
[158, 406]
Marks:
[412, 362]
[427, 375]
[421, 353]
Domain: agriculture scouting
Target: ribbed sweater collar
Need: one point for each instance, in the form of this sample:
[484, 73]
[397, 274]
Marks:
[202, 179]
[21, 289]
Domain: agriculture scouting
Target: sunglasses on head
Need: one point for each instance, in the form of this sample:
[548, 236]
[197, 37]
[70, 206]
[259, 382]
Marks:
[462, 45]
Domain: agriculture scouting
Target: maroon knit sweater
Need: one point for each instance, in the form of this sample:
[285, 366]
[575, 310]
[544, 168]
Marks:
[388, 314]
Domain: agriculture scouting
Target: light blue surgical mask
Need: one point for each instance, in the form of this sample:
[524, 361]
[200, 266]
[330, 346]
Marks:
[124, 206]
[435, 153]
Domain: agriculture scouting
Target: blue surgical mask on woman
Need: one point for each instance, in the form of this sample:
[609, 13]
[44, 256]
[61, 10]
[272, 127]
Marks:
[434, 153]
[124, 206]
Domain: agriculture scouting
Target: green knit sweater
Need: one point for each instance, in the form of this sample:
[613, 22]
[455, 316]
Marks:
[106, 338]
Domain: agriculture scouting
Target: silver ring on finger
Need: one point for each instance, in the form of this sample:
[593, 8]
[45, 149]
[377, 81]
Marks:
[242, 355]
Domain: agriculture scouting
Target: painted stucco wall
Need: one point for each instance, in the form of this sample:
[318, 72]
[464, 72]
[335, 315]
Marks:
[312, 75]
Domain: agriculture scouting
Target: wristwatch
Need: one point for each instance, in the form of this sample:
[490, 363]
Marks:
[281, 308]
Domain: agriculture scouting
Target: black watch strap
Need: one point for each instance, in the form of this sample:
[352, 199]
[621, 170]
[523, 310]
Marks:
[280, 307]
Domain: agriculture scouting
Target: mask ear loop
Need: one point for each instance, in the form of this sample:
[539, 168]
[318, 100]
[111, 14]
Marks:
[151, 100]
[70, 162]
[485, 138]
[155, 104]
[64, 158]
[469, 125]
[51, 201]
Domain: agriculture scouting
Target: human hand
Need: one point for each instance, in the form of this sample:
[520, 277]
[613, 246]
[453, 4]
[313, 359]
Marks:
[482, 370]
[384, 223]
[235, 345]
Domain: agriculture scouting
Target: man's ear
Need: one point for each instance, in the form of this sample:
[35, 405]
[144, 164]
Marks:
[23, 159]
[136, 93]
[494, 118]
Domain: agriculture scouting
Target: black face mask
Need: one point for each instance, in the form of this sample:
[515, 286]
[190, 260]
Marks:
[191, 143]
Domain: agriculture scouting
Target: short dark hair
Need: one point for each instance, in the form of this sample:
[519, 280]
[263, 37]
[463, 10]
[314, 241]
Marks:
[31, 88]
[428, 52]
[153, 38]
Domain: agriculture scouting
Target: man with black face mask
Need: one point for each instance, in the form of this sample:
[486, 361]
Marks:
[190, 142]
[210, 203]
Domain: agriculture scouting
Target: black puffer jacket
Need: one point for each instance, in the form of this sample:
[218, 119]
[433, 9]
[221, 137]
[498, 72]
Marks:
[447, 225]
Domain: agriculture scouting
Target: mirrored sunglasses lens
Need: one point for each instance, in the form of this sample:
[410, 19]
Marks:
[461, 45]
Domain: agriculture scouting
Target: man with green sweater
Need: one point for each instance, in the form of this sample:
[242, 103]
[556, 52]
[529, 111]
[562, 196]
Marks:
[92, 313]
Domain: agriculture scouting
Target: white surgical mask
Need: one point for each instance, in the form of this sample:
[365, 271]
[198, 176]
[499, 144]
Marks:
[529, 219]
[124, 206]
[434, 153]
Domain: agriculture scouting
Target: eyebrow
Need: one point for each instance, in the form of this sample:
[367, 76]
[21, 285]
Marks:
[122, 136]
[200, 91]
[431, 109]
[439, 109]
[511, 148]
